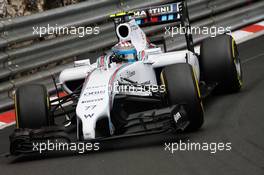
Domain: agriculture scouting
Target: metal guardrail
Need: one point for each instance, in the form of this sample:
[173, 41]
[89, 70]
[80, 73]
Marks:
[14, 61]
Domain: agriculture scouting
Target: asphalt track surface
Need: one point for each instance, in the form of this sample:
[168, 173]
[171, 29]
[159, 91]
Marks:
[236, 118]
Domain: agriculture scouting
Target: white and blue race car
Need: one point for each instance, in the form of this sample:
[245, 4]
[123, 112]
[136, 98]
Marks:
[136, 88]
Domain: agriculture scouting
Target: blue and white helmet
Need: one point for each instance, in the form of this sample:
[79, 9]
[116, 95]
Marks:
[125, 50]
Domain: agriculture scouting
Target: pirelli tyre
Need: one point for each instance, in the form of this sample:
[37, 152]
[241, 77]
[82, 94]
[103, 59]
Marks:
[32, 107]
[182, 88]
[220, 63]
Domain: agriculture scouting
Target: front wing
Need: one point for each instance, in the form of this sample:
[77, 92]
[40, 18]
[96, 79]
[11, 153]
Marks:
[156, 121]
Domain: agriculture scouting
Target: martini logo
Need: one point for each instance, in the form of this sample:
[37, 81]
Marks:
[154, 11]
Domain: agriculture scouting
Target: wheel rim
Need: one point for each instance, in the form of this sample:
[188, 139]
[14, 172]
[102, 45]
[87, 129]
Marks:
[237, 62]
[238, 67]
[238, 70]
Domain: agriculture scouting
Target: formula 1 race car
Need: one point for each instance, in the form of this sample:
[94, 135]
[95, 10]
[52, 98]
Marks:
[134, 89]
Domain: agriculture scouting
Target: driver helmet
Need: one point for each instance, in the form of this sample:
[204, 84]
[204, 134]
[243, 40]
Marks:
[126, 51]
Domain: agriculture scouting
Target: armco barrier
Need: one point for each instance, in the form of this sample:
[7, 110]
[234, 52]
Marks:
[13, 62]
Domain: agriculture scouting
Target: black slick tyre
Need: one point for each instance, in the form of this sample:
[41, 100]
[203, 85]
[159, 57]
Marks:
[182, 88]
[220, 63]
[32, 107]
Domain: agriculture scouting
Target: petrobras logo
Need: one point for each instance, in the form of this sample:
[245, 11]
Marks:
[156, 11]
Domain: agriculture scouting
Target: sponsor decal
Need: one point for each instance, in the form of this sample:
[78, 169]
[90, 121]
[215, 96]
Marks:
[91, 107]
[89, 115]
[131, 74]
[146, 82]
[176, 117]
[92, 100]
[155, 11]
[94, 93]
[95, 87]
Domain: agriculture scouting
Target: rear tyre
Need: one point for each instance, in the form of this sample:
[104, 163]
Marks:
[32, 107]
[182, 88]
[220, 63]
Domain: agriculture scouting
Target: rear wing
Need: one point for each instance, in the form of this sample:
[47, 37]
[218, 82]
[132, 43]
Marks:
[158, 14]
[168, 13]
[153, 15]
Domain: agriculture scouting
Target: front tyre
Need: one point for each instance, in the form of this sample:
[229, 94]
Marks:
[32, 107]
[182, 88]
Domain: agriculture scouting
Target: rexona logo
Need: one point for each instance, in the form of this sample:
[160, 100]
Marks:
[155, 11]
